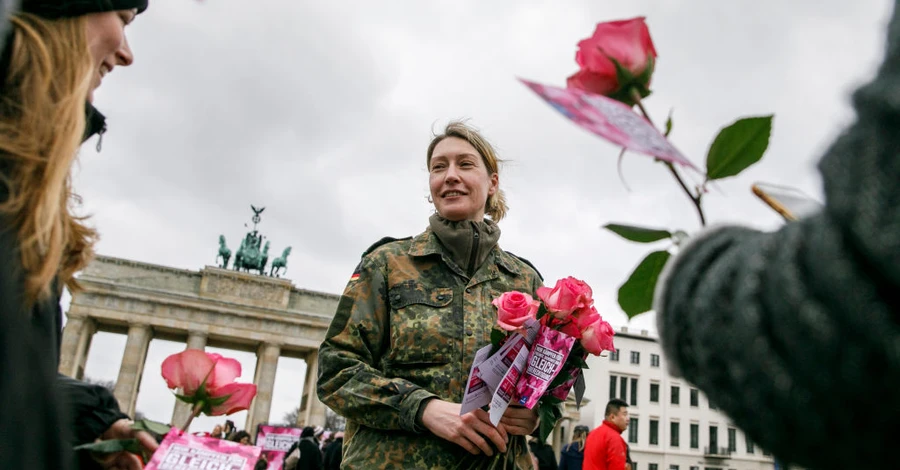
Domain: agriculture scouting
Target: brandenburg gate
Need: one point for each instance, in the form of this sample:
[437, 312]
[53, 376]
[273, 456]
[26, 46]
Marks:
[213, 307]
[216, 306]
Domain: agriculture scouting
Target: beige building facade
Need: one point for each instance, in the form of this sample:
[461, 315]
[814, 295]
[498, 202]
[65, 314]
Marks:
[673, 426]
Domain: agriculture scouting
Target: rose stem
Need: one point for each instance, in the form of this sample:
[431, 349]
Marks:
[194, 413]
[695, 199]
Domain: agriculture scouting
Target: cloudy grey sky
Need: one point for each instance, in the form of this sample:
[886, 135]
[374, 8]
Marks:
[321, 112]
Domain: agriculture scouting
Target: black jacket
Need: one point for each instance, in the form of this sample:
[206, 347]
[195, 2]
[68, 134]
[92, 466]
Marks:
[31, 430]
[310, 454]
[333, 453]
[44, 413]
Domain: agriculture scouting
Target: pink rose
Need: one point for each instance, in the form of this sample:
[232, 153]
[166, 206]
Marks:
[514, 309]
[627, 42]
[239, 398]
[598, 337]
[586, 316]
[208, 378]
[568, 295]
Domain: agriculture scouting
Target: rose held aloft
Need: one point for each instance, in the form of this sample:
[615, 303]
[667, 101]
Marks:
[616, 61]
[206, 380]
[514, 309]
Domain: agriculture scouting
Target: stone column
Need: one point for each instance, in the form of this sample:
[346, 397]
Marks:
[76, 341]
[196, 340]
[129, 381]
[314, 409]
[266, 366]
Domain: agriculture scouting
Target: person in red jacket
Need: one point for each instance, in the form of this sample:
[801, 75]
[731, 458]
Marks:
[605, 449]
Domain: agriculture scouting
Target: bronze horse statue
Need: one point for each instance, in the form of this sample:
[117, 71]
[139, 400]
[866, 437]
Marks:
[224, 253]
[280, 263]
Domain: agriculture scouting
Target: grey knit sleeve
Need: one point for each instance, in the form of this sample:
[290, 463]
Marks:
[796, 334]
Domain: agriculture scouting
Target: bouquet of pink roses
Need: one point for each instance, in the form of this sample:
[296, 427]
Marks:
[538, 351]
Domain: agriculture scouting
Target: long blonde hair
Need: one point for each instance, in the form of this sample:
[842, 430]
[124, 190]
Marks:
[42, 122]
[495, 206]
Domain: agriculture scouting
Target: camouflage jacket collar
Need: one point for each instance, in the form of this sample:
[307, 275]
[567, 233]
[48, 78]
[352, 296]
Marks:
[426, 244]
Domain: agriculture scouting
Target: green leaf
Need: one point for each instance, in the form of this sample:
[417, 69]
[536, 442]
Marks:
[497, 337]
[151, 427]
[113, 446]
[549, 414]
[669, 124]
[186, 398]
[636, 294]
[577, 362]
[738, 146]
[638, 234]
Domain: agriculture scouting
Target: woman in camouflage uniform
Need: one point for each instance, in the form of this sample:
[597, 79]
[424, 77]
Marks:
[396, 358]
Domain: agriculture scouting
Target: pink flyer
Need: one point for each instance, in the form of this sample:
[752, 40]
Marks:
[610, 119]
[275, 442]
[507, 389]
[180, 451]
[477, 393]
[278, 438]
[544, 362]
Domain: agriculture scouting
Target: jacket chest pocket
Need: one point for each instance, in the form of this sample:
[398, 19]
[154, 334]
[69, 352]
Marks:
[426, 329]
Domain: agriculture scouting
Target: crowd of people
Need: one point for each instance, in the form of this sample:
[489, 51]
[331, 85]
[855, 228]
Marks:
[781, 330]
[315, 449]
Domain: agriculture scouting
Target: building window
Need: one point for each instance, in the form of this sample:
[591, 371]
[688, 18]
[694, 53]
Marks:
[635, 357]
[674, 431]
[654, 393]
[614, 356]
[749, 445]
[676, 391]
[694, 467]
[714, 438]
[654, 432]
[673, 467]
[695, 397]
[695, 436]
[732, 440]
[623, 393]
[634, 388]
[654, 360]
[652, 466]
[633, 430]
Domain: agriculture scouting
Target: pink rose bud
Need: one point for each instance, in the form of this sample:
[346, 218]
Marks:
[598, 337]
[628, 43]
[514, 309]
[568, 295]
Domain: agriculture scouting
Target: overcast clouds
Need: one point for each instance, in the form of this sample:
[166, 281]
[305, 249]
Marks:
[321, 112]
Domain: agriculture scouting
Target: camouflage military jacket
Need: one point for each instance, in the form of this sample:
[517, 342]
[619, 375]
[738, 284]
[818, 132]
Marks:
[407, 329]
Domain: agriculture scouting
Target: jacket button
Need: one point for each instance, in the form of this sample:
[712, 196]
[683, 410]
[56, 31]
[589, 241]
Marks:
[469, 333]
[468, 290]
[441, 297]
